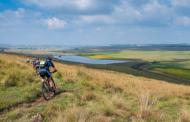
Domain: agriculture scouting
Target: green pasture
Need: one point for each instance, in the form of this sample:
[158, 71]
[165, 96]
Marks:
[141, 55]
[184, 73]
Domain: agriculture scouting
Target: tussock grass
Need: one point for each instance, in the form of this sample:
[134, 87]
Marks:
[145, 105]
[13, 116]
[90, 96]
[184, 115]
[100, 95]
[19, 83]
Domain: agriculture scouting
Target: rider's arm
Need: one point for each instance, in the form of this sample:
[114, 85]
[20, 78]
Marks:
[53, 66]
[54, 69]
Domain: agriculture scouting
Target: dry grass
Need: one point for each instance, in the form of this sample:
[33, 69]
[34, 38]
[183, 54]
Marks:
[184, 116]
[112, 96]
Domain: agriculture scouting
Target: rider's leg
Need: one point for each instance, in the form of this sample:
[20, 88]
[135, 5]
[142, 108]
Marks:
[43, 79]
[50, 82]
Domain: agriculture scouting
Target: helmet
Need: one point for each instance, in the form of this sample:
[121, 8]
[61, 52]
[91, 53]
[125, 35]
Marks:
[49, 58]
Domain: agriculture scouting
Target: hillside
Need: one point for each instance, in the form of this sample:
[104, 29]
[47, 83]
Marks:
[90, 95]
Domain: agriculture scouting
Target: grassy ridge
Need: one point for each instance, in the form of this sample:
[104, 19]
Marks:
[101, 95]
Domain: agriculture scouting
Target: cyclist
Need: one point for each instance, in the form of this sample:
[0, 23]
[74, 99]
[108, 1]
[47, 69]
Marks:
[33, 62]
[28, 60]
[37, 64]
[44, 71]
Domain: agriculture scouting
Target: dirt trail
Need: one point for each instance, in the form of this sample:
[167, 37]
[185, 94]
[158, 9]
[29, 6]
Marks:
[22, 107]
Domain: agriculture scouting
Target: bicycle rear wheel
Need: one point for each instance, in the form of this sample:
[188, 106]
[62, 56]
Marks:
[45, 91]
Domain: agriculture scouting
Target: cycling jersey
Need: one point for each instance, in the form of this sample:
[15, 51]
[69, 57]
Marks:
[49, 63]
[28, 60]
[33, 61]
[37, 63]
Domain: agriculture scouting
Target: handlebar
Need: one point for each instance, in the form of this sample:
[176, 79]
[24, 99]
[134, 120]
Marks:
[53, 71]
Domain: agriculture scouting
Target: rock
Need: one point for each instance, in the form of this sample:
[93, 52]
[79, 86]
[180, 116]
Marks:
[40, 117]
[37, 118]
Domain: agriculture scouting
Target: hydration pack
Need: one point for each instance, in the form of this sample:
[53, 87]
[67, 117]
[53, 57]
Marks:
[43, 64]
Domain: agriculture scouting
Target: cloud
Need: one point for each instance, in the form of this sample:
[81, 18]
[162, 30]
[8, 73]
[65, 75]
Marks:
[184, 21]
[150, 13]
[54, 23]
[181, 3]
[98, 29]
[84, 7]
[20, 18]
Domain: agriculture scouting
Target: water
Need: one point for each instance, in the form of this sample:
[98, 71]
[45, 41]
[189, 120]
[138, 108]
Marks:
[87, 60]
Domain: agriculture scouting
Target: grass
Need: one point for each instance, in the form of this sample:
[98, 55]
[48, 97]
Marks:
[18, 84]
[140, 54]
[96, 56]
[174, 71]
[96, 95]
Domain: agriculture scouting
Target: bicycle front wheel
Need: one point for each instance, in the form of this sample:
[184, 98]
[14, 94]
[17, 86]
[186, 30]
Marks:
[54, 87]
[45, 91]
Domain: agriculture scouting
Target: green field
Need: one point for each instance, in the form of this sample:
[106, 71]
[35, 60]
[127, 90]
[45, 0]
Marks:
[141, 55]
[165, 59]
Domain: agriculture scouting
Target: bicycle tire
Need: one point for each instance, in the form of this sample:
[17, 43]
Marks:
[54, 87]
[45, 91]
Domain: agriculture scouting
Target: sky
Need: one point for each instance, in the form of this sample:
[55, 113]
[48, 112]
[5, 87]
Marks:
[94, 22]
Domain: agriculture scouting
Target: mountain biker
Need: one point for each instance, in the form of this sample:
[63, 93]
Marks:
[44, 71]
[28, 60]
[37, 64]
[33, 62]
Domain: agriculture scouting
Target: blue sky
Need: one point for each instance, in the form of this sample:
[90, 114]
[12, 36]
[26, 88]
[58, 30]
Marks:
[94, 22]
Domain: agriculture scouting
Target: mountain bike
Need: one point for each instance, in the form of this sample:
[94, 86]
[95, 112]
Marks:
[46, 88]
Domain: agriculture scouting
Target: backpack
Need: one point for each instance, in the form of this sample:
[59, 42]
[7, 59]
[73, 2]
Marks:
[43, 64]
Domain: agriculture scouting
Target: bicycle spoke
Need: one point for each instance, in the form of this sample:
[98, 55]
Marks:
[45, 91]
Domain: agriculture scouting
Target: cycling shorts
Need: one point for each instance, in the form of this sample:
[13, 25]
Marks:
[37, 66]
[44, 72]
